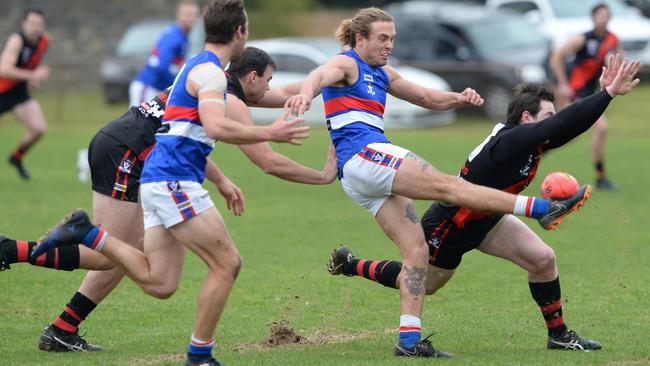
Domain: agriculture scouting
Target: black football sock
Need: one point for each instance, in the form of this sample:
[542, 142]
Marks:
[384, 272]
[63, 258]
[74, 313]
[548, 296]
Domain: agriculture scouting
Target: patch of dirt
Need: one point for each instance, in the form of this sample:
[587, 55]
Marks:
[281, 333]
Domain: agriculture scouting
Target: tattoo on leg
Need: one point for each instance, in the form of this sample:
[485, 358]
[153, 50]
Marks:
[414, 280]
[423, 163]
[411, 214]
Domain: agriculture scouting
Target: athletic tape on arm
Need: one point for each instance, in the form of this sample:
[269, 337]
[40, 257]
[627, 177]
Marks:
[208, 77]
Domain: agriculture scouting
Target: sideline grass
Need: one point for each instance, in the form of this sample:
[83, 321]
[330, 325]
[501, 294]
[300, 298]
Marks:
[484, 315]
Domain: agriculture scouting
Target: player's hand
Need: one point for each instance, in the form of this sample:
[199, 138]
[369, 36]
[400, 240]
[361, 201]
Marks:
[38, 76]
[232, 194]
[610, 70]
[298, 104]
[565, 91]
[330, 170]
[286, 131]
[470, 97]
[625, 80]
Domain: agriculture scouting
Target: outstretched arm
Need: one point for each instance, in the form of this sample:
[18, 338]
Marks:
[338, 70]
[274, 163]
[430, 98]
[576, 118]
[228, 190]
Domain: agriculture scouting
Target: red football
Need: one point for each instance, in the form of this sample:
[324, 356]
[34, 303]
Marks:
[559, 185]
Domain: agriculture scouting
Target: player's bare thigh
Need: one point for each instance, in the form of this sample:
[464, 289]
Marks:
[513, 240]
[418, 179]
[31, 115]
[207, 236]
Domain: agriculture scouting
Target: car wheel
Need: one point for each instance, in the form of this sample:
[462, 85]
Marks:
[497, 99]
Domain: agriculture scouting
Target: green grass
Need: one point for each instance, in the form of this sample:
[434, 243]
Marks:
[484, 315]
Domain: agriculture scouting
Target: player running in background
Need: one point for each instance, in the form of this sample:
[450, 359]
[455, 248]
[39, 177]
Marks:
[116, 158]
[167, 56]
[384, 178]
[21, 70]
[178, 212]
[507, 160]
[589, 50]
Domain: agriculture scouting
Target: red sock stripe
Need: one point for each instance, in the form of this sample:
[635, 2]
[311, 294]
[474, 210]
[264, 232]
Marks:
[371, 272]
[22, 250]
[62, 324]
[18, 155]
[40, 260]
[98, 238]
[72, 313]
[56, 258]
[551, 307]
[410, 328]
[384, 266]
[529, 206]
[360, 267]
[555, 322]
[202, 344]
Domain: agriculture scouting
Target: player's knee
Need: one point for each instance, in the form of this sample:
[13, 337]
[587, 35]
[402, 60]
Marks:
[238, 266]
[39, 130]
[161, 291]
[416, 251]
[545, 264]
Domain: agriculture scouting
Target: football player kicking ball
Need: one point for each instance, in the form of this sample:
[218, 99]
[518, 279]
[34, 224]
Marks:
[507, 160]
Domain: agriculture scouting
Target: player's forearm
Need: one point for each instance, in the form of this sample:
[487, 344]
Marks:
[212, 172]
[16, 73]
[233, 132]
[282, 167]
[441, 100]
[559, 71]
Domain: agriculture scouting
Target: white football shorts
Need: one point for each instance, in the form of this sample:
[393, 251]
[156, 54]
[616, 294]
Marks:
[172, 202]
[368, 176]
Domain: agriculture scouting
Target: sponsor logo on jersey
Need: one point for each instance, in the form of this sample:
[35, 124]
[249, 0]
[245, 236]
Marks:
[367, 77]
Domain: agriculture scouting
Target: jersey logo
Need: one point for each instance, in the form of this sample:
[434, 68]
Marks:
[367, 77]
[370, 91]
[592, 46]
[529, 164]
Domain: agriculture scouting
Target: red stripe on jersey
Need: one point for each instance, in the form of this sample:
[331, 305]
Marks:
[175, 112]
[347, 102]
[143, 155]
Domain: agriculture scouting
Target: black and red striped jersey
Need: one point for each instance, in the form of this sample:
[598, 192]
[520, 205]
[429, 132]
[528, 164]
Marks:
[29, 58]
[509, 157]
[589, 60]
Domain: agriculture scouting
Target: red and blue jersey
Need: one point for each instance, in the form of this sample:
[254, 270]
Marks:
[355, 113]
[165, 59]
[182, 146]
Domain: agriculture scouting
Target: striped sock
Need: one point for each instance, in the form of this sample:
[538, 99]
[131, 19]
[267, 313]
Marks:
[409, 330]
[531, 207]
[384, 272]
[548, 296]
[64, 258]
[199, 347]
[95, 239]
[74, 313]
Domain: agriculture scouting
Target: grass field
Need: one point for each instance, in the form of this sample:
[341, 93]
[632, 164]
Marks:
[484, 315]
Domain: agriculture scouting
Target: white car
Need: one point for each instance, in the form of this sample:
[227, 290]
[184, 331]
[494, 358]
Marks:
[561, 19]
[296, 57]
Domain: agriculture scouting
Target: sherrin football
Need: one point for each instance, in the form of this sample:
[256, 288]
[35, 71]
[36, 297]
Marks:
[559, 185]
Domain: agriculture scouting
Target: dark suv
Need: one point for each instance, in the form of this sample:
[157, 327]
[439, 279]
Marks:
[470, 46]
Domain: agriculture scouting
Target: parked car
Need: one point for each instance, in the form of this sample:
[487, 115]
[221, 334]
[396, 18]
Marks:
[561, 19]
[469, 45]
[296, 57]
[131, 54]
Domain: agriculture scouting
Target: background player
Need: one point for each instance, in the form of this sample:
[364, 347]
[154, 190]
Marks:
[166, 57]
[116, 160]
[590, 50]
[384, 178]
[21, 70]
[507, 159]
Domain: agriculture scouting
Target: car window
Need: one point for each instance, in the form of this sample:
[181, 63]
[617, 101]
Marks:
[582, 8]
[140, 39]
[519, 7]
[415, 40]
[293, 63]
[501, 35]
[452, 44]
